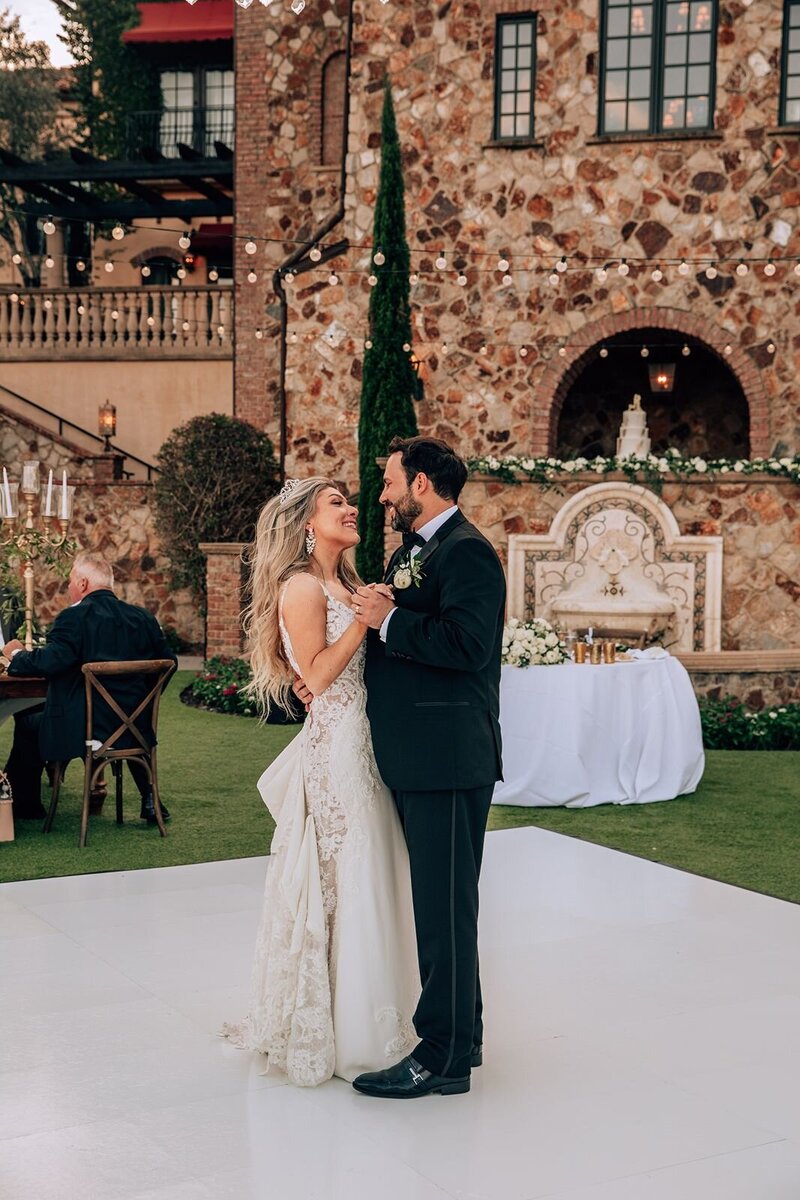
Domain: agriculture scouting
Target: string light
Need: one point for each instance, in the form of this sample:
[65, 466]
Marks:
[368, 344]
[797, 268]
[146, 271]
[259, 334]
[507, 281]
[685, 351]
[441, 262]
[601, 274]
[221, 330]
[16, 259]
[184, 241]
[561, 265]
[770, 268]
[623, 268]
[444, 349]
[118, 233]
[315, 254]
[770, 347]
[603, 352]
[645, 353]
[109, 267]
[250, 247]
[251, 277]
[48, 226]
[289, 278]
[49, 262]
[185, 327]
[523, 353]
[151, 321]
[115, 316]
[213, 274]
[553, 279]
[298, 6]
[407, 347]
[503, 265]
[711, 272]
[683, 268]
[657, 275]
[333, 279]
[372, 280]
[379, 258]
[413, 279]
[80, 265]
[728, 350]
[48, 303]
[741, 270]
[462, 280]
[181, 272]
[484, 350]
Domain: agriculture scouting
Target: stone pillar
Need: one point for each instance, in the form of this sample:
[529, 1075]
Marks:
[224, 572]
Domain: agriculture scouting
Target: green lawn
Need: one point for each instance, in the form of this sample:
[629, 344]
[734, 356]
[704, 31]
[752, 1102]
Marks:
[741, 826]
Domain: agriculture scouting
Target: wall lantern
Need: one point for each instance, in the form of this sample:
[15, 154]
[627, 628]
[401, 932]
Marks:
[107, 423]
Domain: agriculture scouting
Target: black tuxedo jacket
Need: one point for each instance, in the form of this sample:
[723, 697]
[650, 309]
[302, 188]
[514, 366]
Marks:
[433, 687]
[101, 628]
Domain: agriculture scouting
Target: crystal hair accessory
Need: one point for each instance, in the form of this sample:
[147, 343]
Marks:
[288, 490]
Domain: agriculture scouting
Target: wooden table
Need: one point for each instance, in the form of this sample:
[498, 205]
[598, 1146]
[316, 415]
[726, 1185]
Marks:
[18, 692]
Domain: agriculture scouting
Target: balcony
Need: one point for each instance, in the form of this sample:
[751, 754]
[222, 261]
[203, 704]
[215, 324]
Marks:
[199, 128]
[103, 323]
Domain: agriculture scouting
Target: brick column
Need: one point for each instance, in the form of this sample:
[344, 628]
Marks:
[224, 576]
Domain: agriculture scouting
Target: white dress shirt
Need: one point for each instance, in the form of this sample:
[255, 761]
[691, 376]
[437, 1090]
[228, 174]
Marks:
[426, 533]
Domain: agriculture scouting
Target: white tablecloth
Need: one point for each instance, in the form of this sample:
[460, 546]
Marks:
[617, 733]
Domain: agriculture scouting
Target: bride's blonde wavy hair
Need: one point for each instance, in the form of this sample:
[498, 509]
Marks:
[277, 553]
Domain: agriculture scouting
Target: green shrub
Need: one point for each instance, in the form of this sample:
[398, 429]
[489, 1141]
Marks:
[220, 684]
[215, 474]
[727, 725]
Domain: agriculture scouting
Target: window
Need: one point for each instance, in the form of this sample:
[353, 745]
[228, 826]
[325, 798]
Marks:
[790, 87]
[334, 102]
[514, 78]
[198, 108]
[657, 66]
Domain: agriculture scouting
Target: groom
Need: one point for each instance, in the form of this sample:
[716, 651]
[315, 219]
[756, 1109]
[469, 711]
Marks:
[433, 677]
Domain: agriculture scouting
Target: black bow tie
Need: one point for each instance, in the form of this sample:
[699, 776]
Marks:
[410, 540]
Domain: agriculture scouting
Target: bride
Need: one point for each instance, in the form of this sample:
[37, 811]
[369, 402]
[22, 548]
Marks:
[335, 979]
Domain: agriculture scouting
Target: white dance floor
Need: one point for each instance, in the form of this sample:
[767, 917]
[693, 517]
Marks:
[643, 1043]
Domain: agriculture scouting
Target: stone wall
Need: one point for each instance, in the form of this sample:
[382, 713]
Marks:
[115, 517]
[756, 689]
[733, 191]
[758, 518]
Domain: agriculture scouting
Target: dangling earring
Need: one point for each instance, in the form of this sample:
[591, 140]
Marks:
[311, 541]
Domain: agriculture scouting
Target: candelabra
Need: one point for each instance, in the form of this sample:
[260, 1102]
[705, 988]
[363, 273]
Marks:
[27, 541]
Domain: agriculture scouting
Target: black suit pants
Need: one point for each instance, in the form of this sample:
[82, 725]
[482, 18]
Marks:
[445, 834]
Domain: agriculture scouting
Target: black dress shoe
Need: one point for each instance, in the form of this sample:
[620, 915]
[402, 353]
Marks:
[148, 812]
[407, 1080]
[476, 1059]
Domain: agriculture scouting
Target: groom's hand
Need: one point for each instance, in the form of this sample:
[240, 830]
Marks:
[372, 605]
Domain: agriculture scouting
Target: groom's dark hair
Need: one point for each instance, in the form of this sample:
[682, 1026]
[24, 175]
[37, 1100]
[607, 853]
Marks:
[434, 458]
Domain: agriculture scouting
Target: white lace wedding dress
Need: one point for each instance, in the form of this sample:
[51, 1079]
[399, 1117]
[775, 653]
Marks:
[335, 979]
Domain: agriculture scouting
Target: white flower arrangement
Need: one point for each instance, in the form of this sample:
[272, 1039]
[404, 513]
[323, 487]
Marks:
[532, 644]
[653, 467]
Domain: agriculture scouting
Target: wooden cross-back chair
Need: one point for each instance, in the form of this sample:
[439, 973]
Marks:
[98, 756]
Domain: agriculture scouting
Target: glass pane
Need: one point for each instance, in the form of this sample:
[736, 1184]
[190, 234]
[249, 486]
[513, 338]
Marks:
[616, 85]
[523, 103]
[507, 104]
[699, 47]
[524, 56]
[675, 49]
[617, 25]
[615, 117]
[673, 111]
[792, 114]
[523, 126]
[506, 127]
[509, 33]
[794, 16]
[508, 81]
[678, 17]
[617, 55]
[638, 116]
[697, 81]
[641, 49]
[794, 38]
[675, 81]
[525, 33]
[697, 112]
[639, 85]
[793, 87]
[641, 20]
[701, 15]
[509, 58]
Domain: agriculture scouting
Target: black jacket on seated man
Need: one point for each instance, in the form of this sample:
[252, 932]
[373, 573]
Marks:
[101, 628]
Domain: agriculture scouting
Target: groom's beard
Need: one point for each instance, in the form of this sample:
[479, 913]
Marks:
[405, 512]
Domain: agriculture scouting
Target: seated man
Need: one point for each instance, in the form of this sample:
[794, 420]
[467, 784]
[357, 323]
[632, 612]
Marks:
[97, 627]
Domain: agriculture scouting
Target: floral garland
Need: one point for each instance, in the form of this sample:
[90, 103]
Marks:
[650, 469]
[532, 643]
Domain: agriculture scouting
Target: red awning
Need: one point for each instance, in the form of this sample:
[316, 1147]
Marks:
[210, 239]
[205, 21]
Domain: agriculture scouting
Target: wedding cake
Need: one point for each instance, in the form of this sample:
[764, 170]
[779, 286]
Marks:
[633, 437]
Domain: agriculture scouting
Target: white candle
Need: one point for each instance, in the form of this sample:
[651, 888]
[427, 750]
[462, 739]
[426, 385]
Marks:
[6, 494]
[64, 511]
[48, 503]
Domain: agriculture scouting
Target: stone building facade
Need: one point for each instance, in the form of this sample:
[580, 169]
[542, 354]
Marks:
[504, 352]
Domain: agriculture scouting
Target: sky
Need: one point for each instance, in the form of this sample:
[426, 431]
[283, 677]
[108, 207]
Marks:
[41, 22]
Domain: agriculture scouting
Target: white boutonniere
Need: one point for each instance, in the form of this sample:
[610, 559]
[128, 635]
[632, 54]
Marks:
[408, 571]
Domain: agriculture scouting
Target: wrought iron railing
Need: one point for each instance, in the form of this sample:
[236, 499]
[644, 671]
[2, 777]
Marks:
[199, 128]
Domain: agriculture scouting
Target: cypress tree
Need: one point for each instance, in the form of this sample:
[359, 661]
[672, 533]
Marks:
[388, 382]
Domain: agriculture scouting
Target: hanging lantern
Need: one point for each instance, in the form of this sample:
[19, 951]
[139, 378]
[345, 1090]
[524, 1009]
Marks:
[662, 376]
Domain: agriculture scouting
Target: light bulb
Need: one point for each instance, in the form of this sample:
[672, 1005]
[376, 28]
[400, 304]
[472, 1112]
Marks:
[623, 268]
[562, 353]
[770, 347]
[315, 254]
[372, 280]
[685, 351]
[213, 274]
[553, 279]
[601, 274]
[561, 265]
[250, 247]
[413, 279]
[16, 259]
[441, 262]
[770, 268]
[484, 350]
[742, 268]
[523, 353]
[251, 277]
[184, 241]
[115, 315]
[244, 3]
[49, 262]
[118, 233]
[109, 266]
[289, 277]
[151, 321]
[221, 330]
[711, 272]
[48, 303]
[14, 297]
[462, 280]
[260, 332]
[507, 281]
[181, 272]
[298, 6]
[379, 259]
[48, 226]
[407, 347]
[333, 279]
[797, 268]
[503, 265]
[645, 353]
[80, 310]
[444, 348]
[728, 349]
[603, 352]
[185, 326]
[367, 344]
[683, 268]
[657, 275]
[146, 271]
[80, 265]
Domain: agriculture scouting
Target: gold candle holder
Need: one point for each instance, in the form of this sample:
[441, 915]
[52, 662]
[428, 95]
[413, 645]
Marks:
[580, 652]
[595, 653]
[609, 652]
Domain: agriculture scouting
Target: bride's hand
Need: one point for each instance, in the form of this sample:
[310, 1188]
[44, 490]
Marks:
[302, 692]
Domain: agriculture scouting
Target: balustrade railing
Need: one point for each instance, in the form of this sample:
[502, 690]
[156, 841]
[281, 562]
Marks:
[169, 322]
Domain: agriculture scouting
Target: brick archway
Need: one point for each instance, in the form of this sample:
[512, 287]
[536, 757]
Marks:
[562, 372]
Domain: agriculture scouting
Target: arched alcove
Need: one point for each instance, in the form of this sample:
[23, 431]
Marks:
[702, 410]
